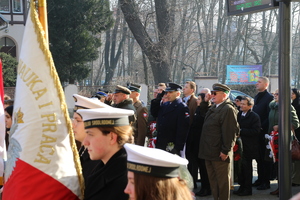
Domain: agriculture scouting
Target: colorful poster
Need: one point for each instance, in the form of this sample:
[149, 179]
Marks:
[243, 74]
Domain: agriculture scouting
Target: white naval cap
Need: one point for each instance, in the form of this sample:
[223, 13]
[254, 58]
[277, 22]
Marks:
[82, 102]
[105, 117]
[154, 162]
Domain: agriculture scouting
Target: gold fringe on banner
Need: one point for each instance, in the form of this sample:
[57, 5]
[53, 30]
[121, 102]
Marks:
[45, 49]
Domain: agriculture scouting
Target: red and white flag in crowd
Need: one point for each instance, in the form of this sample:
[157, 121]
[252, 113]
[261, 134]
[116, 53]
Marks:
[42, 160]
[2, 127]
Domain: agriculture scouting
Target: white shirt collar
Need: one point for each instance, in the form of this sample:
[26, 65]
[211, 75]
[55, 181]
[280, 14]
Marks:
[217, 105]
[186, 98]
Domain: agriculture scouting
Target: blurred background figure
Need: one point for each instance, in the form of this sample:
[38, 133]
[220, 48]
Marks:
[140, 131]
[6, 97]
[8, 112]
[295, 96]
[155, 92]
[205, 91]
[101, 95]
[192, 147]
[121, 100]
[158, 95]
[261, 107]
[237, 102]
[7, 101]
[189, 98]
[273, 126]
[250, 127]
[161, 87]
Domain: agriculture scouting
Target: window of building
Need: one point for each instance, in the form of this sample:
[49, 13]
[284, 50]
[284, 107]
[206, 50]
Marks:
[17, 6]
[11, 6]
[4, 6]
[7, 45]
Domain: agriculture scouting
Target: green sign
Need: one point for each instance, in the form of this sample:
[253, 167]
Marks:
[241, 7]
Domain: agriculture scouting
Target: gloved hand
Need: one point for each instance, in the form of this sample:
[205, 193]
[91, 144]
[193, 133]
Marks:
[160, 95]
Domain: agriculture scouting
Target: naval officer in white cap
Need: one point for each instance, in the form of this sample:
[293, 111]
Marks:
[82, 102]
[153, 174]
[107, 130]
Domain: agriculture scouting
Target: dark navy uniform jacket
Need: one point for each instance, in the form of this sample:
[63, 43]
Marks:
[172, 125]
[108, 181]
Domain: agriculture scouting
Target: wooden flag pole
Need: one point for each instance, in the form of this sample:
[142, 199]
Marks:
[42, 10]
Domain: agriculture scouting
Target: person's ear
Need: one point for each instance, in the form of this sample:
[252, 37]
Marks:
[113, 138]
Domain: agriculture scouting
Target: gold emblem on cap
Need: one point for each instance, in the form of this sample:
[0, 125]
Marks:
[99, 122]
[139, 168]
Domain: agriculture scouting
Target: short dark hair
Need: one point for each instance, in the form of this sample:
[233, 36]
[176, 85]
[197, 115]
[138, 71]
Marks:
[250, 101]
[239, 98]
[265, 79]
[202, 96]
[296, 92]
[9, 110]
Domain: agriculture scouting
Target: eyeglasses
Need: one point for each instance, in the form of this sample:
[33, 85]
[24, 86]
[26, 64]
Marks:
[237, 100]
[276, 94]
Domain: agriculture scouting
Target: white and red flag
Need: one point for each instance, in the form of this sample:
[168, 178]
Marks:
[42, 160]
[2, 127]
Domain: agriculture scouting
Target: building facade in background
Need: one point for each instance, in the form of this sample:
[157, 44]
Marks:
[15, 12]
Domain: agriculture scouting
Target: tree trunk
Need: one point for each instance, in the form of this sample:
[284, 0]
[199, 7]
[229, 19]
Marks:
[111, 56]
[157, 53]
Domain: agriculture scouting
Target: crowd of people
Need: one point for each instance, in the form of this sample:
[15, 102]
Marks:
[129, 150]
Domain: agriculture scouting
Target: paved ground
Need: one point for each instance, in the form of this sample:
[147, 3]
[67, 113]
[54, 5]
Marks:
[256, 194]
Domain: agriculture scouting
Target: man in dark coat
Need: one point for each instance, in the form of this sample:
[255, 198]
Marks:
[261, 107]
[191, 101]
[172, 120]
[249, 132]
[218, 136]
[121, 100]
